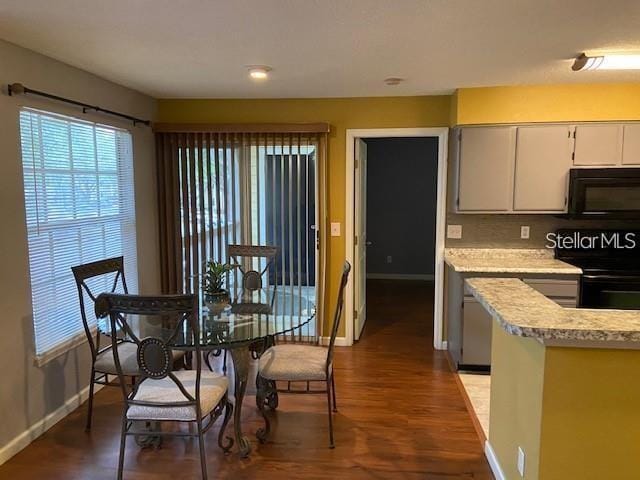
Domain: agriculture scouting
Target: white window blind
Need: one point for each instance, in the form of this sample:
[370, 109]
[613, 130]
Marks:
[78, 188]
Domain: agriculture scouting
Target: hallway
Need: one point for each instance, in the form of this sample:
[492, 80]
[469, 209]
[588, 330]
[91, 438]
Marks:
[401, 416]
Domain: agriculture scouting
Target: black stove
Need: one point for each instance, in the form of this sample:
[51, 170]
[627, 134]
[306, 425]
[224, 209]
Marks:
[610, 261]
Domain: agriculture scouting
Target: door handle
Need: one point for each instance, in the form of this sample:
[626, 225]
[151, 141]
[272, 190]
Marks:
[368, 244]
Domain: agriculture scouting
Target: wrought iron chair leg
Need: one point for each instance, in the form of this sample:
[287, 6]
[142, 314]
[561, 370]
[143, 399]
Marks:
[90, 406]
[228, 412]
[224, 363]
[262, 393]
[333, 392]
[331, 444]
[203, 459]
[123, 439]
[207, 361]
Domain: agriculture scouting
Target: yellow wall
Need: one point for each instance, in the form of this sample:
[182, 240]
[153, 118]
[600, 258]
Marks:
[341, 113]
[517, 368]
[591, 414]
[548, 103]
[574, 411]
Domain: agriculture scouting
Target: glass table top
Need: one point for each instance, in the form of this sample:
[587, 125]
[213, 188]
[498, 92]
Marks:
[250, 316]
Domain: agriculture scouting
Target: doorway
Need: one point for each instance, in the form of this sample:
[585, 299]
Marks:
[412, 262]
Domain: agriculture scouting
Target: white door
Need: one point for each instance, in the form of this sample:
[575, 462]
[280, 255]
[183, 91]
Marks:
[360, 253]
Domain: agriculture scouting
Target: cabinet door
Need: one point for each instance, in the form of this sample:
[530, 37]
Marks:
[543, 160]
[598, 145]
[476, 334]
[485, 181]
[631, 145]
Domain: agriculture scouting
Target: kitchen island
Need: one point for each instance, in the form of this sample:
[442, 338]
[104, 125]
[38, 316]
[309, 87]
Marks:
[564, 388]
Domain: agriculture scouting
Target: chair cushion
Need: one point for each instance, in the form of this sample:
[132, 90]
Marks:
[105, 363]
[291, 363]
[213, 386]
[127, 351]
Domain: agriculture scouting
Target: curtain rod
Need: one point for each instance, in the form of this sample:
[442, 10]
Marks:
[241, 127]
[19, 89]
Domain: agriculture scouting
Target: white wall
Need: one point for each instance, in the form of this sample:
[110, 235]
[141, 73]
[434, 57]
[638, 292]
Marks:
[28, 393]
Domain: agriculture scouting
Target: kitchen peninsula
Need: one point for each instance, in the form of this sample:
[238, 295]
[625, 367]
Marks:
[564, 389]
[468, 325]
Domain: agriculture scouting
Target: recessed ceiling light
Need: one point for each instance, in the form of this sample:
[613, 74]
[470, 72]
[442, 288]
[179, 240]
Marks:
[607, 62]
[393, 81]
[259, 72]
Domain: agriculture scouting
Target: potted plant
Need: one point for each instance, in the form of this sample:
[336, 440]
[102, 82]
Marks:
[215, 296]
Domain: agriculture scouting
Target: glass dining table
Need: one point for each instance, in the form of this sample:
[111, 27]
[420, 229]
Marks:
[244, 327]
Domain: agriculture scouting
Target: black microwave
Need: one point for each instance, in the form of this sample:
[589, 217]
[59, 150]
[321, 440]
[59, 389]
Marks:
[604, 193]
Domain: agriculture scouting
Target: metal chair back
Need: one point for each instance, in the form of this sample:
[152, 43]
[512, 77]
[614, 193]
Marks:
[242, 256]
[85, 273]
[338, 313]
[179, 315]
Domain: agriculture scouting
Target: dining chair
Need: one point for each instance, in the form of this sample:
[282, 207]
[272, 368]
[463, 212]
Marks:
[242, 257]
[96, 275]
[293, 363]
[91, 280]
[159, 394]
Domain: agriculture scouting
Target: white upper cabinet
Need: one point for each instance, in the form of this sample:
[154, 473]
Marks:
[485, 178]
[631, 145]
[598, 145]
[525, 168]
[543, 160]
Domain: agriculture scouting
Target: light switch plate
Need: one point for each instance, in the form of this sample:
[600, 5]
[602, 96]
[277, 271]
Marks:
[524, 232]
[454, 231]
[335, 229]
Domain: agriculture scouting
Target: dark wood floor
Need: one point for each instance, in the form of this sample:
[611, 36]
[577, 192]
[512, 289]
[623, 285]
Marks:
[401, 416]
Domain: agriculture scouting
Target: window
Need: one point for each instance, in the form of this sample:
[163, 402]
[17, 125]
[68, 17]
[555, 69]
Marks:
[78, 188]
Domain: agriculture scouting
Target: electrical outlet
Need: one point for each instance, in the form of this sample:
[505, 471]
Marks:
[524, 232]
[335, 229]
[389, 259]
[521, 462]
[454, 231]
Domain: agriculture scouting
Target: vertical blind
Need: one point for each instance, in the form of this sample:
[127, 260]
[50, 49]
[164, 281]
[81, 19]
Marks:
[222, 188]
[79, 202]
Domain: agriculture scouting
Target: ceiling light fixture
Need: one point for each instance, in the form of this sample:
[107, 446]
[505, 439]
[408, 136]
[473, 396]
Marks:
[392, 81]
[606, 62]
[259, 72]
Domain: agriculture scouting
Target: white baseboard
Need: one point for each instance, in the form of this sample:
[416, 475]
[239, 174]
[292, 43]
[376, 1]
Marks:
[443, 345]
[400, 276]
[493, 461]
[340, 341]
[41, 426]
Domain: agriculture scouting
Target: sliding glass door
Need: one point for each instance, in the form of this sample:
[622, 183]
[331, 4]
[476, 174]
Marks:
[248, 189]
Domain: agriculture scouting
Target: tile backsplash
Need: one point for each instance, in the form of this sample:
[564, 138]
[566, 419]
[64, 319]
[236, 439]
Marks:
[503, 231]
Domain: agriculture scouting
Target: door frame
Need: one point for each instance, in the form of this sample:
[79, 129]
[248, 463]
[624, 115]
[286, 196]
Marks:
[442, 134]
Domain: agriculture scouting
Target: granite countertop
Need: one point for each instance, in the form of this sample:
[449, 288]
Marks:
[523, 311]
[507, 260]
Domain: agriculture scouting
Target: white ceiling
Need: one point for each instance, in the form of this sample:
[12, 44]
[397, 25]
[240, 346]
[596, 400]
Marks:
[324, 48]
